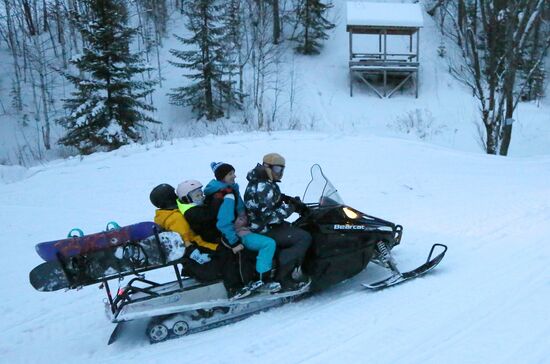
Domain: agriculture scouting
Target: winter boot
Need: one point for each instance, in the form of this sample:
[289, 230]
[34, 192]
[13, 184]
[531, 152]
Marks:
[264, 287]
[298, 275]
[289, 284]
[292, 278]
[269, 287]
[238, 293]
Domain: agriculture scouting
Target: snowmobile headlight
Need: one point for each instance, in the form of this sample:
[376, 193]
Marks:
[350, 213]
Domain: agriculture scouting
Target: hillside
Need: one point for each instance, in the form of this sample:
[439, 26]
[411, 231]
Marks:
[314, 95]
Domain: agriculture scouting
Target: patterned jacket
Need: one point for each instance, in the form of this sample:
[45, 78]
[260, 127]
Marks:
[262, 199]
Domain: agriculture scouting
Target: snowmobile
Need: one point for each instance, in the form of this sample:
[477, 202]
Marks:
[344, 241]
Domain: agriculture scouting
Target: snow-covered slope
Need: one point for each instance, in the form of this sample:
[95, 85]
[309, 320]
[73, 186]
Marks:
[487, 302]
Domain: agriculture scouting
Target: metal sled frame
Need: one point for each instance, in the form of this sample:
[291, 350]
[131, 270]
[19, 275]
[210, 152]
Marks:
[187, 304]
[151, 289]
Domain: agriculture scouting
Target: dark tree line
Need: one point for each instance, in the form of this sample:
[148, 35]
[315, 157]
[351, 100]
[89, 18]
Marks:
[46, 43]
[230, 37]
[103, 50]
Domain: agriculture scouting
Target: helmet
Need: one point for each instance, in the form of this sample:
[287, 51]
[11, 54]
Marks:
[274, 159]
[186, 187]
[274, 164]
[163, 197]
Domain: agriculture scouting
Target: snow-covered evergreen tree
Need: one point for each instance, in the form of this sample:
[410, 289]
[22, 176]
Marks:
[108, 106]
[235, 54]
[206, 60]
[312, 25]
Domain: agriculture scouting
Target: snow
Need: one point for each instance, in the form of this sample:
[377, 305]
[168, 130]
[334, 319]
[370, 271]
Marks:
[486, 302]
[384, 14]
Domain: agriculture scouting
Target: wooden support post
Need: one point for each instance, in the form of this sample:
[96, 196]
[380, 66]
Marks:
[350, 46]
[417, 58]
[416, 83]
[385, 58]
[385, 82]
[418, 45]
[350, 58]
[385, 44]
[350, 83]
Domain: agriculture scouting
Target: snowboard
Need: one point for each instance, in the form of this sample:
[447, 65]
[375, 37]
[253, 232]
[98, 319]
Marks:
[78, 245]
[117, 261]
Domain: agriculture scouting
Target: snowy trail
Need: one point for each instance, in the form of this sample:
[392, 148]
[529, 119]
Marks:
[486, 302]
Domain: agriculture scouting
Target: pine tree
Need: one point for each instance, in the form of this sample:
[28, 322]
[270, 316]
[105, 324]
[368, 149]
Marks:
[312, 25]
[235, 59]
[207, 60]
[108, 106]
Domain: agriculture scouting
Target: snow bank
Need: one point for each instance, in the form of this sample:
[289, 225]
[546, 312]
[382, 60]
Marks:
[9, 174]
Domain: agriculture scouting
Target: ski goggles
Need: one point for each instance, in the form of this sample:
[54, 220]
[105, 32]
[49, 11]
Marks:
[277, 169]
[196, 195]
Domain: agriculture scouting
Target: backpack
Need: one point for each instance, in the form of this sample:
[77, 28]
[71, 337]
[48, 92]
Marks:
[202, 219]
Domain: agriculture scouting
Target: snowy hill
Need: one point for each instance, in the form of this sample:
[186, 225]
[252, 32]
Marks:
[314, 95]
[486, 302]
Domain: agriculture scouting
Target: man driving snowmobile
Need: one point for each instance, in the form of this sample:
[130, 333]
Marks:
[267, 210]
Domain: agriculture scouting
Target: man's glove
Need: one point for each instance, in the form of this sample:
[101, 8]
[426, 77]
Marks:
[300, 207]
[285, 198]
[199, 257]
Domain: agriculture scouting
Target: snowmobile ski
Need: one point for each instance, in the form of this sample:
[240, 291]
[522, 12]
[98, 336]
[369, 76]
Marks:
[116, 332]
[399, 277]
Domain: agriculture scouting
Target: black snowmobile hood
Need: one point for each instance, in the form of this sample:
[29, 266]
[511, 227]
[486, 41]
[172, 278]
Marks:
[257, 174]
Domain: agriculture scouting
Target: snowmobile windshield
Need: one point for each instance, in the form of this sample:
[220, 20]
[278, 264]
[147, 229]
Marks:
[320, 191]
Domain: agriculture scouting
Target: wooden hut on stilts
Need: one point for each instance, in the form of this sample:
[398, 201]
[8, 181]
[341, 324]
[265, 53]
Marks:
[391, 23]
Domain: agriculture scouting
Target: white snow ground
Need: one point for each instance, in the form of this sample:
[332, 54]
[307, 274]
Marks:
[487, 302]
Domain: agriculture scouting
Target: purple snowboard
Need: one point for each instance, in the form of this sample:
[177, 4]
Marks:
[89, 243]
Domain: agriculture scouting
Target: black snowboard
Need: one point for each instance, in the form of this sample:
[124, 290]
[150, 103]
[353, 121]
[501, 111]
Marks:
[94, 267]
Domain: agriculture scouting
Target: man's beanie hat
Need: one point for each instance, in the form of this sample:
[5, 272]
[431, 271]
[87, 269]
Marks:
[274, 159]
[221, 169]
